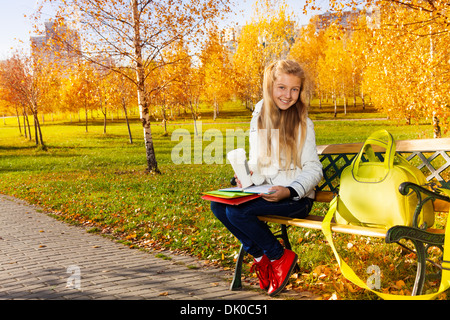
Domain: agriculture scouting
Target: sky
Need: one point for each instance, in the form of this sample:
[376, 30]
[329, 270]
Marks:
[16, 29]
[13, 25]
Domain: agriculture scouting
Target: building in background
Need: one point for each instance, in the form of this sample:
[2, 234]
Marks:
[229, 38]
[344, 19]
[59, 44]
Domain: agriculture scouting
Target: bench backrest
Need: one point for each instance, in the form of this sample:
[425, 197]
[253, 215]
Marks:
[429, 155]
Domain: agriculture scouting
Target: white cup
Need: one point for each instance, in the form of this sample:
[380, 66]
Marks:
[239, 163]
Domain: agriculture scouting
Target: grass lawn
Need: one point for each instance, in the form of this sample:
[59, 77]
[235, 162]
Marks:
[98, 180]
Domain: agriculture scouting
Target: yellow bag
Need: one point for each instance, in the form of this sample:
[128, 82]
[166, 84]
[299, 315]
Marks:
[351, 275]
[369, 191]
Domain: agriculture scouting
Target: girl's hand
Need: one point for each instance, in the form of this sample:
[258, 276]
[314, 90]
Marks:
[238, 182]
[277, 193]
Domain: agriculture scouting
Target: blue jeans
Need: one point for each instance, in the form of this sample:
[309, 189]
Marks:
[255, 235]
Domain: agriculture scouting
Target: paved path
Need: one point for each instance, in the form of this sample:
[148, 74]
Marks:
[42, 258]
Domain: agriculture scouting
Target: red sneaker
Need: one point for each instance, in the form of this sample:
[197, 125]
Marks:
[262, 271]
[281, 271]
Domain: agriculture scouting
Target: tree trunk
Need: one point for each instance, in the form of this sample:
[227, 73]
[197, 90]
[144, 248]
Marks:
[104, 123]
[124, 105]
[194, 117]
[345, 105]
[164, 117]
[320, 99]
[335, 104]
[26, 123]
[40, 135]
[152, 165]
[86, 114]
[37, 130]
[216, 110]
[363, 100]
[29, 127]
[104, 113]
[18, 120]
[36, 137]
[436, 127]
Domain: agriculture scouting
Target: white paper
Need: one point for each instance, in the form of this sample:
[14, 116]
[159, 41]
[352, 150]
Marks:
[239, 163]
[252, 189]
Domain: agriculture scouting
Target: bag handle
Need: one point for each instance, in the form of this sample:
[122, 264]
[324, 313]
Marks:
[351, 275]
[377, 138]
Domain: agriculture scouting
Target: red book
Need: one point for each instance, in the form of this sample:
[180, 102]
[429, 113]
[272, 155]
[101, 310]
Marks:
[234, 201]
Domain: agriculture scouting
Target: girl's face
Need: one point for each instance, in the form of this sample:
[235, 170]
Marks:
[286, 90]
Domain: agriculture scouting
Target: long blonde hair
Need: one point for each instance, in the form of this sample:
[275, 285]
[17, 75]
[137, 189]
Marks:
[282, 123]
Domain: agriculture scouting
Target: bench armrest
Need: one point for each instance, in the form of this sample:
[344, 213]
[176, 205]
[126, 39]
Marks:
[423, 195]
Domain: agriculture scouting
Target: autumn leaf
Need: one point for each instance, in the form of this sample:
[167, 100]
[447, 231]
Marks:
[399, 284]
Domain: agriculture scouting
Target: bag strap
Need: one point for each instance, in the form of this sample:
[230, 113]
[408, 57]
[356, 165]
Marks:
[381, 138]
[351, 275]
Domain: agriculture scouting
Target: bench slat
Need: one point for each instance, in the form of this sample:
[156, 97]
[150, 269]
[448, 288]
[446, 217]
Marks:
[422, 145]
[324, 196]
[315, 222]
[441, 206]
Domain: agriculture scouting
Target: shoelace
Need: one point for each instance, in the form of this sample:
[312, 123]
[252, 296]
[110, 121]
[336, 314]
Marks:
[259, 270]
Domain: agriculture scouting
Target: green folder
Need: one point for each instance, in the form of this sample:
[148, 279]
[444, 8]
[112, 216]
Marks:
[227, 194]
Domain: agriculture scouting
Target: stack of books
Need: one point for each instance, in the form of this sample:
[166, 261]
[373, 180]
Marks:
[236, 195]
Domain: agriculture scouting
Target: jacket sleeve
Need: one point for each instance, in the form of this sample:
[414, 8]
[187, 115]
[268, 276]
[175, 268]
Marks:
[311, 173]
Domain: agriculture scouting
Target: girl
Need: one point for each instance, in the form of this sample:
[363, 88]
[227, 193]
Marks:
[282, 153]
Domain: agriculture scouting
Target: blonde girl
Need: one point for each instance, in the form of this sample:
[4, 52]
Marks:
[282, 153]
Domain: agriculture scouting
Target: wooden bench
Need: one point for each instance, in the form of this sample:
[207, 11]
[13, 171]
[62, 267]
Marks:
[429, 155]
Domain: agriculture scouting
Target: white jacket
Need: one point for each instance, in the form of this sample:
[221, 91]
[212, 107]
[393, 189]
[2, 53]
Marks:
[301, 180]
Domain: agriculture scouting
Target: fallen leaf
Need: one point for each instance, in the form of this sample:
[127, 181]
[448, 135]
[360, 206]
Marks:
[400, 284]
[164, 293]
[351, 288]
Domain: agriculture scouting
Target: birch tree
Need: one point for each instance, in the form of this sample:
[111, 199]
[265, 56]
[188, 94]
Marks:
[134, 33]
